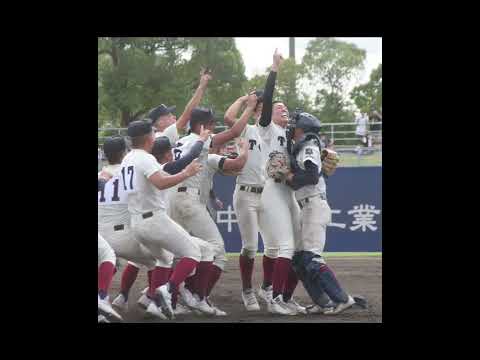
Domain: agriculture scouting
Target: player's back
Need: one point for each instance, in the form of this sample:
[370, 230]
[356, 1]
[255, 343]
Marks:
[183, 146]
[143, 196]
[112, 200]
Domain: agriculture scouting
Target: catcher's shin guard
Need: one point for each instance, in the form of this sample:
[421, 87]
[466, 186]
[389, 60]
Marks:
[315, 291]
[318, 279]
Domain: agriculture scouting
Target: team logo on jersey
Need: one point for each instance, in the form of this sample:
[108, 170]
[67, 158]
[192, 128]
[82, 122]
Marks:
[252, 143]
[282, 140]
[308, 151]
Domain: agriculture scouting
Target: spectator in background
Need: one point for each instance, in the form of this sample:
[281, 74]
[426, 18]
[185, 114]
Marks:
[326, 142]
[361, 131]
[376, 129]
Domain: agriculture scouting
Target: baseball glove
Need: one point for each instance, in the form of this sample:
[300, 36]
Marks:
[278, 165]
[330, 160]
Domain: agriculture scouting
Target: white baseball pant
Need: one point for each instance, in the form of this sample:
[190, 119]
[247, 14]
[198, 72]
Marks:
[127, 247]
[159, 233]
[281, 217]
[189, 212]
[105, 251]
[316, 214]
[250, 217]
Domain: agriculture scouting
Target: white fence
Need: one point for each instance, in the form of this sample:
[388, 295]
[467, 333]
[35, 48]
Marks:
[341, 134]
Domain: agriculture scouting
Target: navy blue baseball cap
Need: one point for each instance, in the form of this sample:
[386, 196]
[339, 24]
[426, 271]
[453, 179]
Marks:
[160, 110]
[139, 128]
[201, 115]
[114, 145]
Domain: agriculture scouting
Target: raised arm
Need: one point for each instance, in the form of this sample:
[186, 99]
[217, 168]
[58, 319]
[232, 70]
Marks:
[176, 166]
[238, 127]
[231, 115]
[238, 163]
[194, 101]
[163, 182]
[266, 116]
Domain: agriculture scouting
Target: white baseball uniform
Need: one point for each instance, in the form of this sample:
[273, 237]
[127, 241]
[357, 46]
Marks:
[187, 208]
[105, 251]
[315, 212]
[114, 221]
[146, 204]
[247, 202]
[281, 213]
[171, 132]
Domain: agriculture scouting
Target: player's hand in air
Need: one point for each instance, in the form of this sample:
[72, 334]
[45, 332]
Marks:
[204, 133]
[277, 60]
[205, 77]
[193, 168]
[252, 101]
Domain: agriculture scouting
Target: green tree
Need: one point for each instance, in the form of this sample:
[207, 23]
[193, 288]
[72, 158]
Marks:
[287, 87]
[330, 65]
[135, 74]
[143, 72]
[368, 97]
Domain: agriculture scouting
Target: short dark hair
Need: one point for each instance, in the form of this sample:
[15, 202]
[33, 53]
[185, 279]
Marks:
[139, 141]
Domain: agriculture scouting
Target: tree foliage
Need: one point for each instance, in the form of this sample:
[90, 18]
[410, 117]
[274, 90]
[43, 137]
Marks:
[136, 74]
[368, 97]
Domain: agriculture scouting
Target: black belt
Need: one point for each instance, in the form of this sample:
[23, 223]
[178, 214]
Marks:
[147, 215]
[118, 227]
[278, 180]
[307, 200]
[184, 189]
[257, 190]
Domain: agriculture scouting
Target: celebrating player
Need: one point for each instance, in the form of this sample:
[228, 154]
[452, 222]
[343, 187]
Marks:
[144, 178]
[307, 179]
[186, 207]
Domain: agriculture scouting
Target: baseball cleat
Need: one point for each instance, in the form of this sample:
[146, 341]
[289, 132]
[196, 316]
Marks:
[317, 309]
[102, 319]
[165, 299]
[106, 309]
[187, 297]
[143, 301]
[181, 310]
[120, 303]
[340, 307]
[296, 307]
[202, 305]
[277, 306]
[154, 311]
[250, 300]
[217, 311]
[266, 294]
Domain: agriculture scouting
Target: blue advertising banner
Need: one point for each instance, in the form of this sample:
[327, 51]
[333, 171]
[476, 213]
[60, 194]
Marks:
[355, 197]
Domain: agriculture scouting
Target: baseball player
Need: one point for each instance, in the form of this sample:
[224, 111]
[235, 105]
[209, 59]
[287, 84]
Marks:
[186, 207]
[248, 205]
[166, 124]
[114, 226]
[281, 213]
[307, 179]
[144, 179]
[106, 270]
[162, 152]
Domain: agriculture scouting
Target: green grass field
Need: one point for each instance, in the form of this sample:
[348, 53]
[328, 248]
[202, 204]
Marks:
[348, 159]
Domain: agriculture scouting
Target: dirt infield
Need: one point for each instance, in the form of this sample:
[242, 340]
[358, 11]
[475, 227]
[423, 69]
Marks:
[358, 275]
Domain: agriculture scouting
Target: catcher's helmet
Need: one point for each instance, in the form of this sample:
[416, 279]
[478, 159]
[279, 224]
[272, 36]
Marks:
[307, 122]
